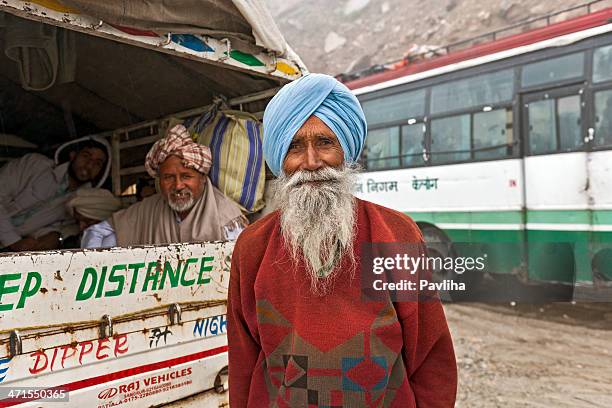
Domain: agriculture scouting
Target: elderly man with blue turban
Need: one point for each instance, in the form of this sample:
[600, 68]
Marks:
[300, 332]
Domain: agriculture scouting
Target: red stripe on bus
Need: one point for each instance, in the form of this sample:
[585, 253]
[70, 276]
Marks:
[569, 26]
[90, 382]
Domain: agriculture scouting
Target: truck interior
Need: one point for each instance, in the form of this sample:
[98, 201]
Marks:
[111, 86]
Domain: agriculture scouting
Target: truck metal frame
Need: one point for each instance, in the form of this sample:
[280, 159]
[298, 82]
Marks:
[137, 326]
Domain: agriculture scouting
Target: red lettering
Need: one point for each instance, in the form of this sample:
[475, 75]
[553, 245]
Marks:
[188, 370]
[53, 359]
[84, 351]
[122, 389]
[101, 347]
[65, 355]
[38, 366]
[121, 346]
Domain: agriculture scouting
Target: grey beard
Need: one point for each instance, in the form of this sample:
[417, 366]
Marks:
[181, 206]
[318, 221]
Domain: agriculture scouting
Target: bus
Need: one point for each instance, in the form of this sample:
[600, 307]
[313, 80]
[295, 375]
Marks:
[502, 148]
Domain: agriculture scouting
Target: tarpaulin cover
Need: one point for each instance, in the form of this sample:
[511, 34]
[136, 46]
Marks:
[247, 23]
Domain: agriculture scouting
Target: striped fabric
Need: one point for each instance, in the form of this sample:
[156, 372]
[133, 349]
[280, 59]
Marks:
[238, 169]
[4, 366]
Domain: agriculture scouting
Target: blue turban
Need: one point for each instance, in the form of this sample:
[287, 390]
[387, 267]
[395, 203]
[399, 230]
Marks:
[314, 94]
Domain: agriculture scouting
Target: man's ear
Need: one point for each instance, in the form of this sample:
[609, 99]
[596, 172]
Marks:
[72, 155]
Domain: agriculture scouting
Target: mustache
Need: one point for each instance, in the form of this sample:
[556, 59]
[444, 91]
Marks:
[185, 190]
[327, 174]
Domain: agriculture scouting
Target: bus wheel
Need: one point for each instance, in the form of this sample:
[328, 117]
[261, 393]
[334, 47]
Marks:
[440, 246]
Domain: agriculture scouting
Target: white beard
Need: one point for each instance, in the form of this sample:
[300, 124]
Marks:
[318, 221]
[183, 200]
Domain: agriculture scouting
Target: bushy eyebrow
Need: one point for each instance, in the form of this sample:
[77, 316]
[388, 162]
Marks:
[299, 137]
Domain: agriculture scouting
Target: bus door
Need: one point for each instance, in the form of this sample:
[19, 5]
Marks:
[556, 183]
[599, 164]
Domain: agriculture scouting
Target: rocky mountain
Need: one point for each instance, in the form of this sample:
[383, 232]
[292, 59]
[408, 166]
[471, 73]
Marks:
[338, 36]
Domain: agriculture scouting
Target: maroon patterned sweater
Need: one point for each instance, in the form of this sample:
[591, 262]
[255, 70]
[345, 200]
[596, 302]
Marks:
[290, 348]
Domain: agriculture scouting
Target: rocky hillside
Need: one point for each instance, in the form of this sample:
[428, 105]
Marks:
[336, 36]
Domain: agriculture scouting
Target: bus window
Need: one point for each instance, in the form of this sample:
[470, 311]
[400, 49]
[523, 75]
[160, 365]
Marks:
[412, 145]
[382, 148]
[553, 70]
[450, 139]
[568, 111]
[603, 118]
[542, 129]
[493, 134]
[395, 107]
[482, 90]
[602, 64]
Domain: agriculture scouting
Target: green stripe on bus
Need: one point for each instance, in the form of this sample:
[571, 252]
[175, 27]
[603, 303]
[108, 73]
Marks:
[495, 236]
[602, 217]
[559, 217]
[594, 217]
[466, 217]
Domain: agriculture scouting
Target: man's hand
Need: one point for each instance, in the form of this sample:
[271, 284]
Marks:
[24, 244]
[46, 242]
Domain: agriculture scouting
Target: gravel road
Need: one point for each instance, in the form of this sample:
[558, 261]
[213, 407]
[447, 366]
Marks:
[554, 355]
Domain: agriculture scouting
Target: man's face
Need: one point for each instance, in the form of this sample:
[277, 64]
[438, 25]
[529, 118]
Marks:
[313, 147]
[314, 195]
[181, 186]
[87, 163]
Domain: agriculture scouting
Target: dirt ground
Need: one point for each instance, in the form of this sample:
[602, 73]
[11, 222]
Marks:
[551, 355]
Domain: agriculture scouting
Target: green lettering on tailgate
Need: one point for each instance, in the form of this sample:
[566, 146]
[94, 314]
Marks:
[5, 289]
[119, 279]
[136, 267]
[188, 282]
[174, 275]
[31, 287]
[153, 277]
[89, 273]
[205, 268]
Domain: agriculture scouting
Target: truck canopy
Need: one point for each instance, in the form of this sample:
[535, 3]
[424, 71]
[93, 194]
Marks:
[99, 66]
[248, 24]
[124, 71]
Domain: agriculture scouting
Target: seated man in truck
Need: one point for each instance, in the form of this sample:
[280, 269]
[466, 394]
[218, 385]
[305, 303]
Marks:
[90, 206]
[34, 192]
[300, 333]
[188, 208]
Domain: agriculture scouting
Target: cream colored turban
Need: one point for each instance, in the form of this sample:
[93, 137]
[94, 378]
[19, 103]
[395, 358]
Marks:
[94, 203]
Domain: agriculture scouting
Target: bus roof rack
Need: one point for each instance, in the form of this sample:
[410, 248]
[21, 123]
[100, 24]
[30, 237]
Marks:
[490, 36]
